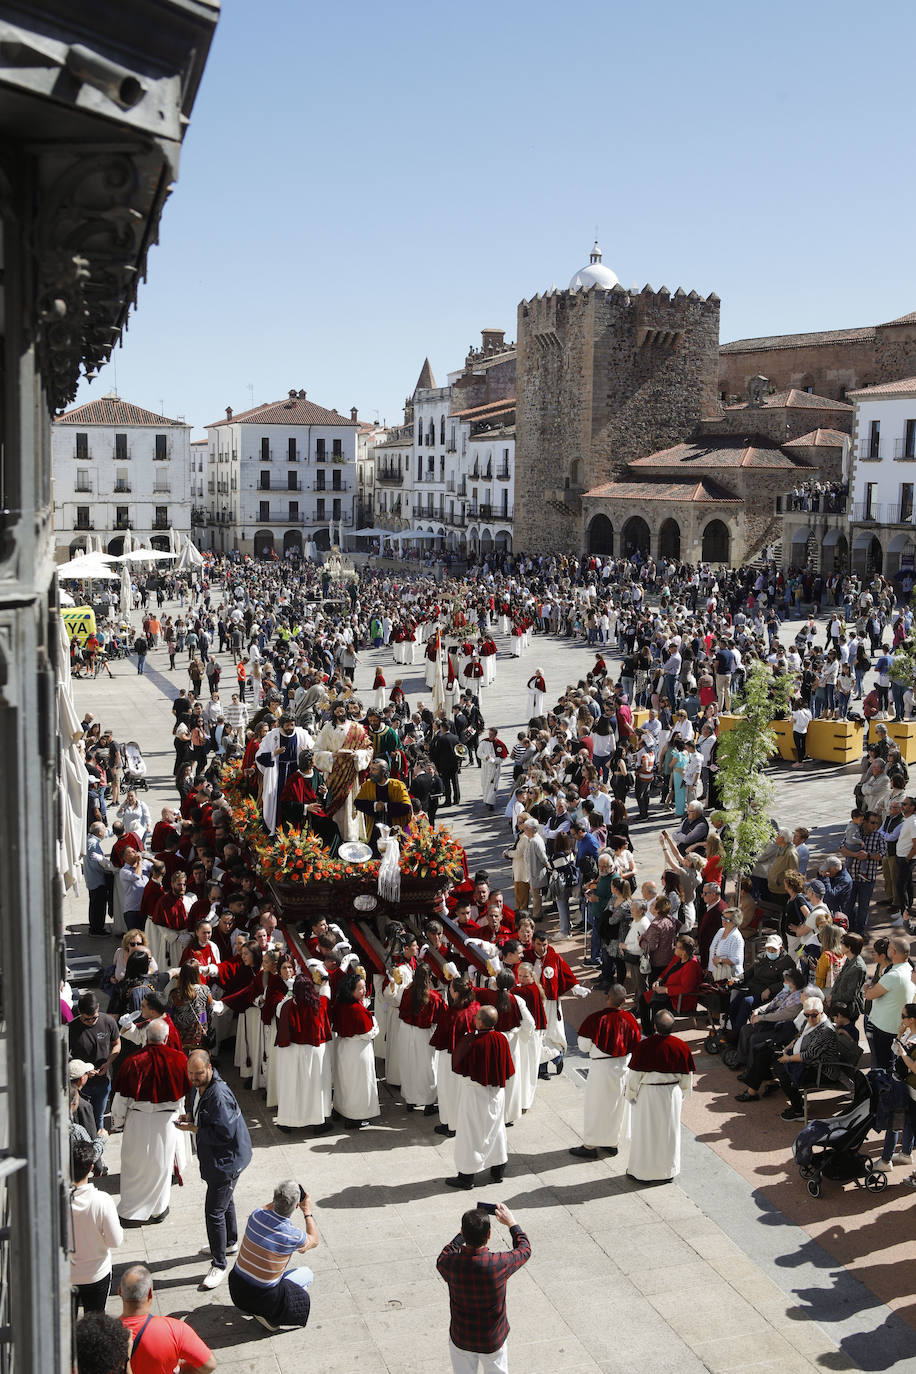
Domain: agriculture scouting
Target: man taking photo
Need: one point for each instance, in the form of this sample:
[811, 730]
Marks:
[477, 1278]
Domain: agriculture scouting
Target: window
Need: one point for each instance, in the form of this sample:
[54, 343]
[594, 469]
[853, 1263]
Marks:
[162, 448]
[909, 439]
[82, 446]
[122, 517]
[291, 445]
[82, 482]
[292, 481]
[336, 508]
[265, 450]
[264, 483]
[82, 517]
[870, 489]
[420, 468]
[338, 450]
[319, 450]
[442, 429]
[874, 439]
[264, 511]
[121, 453]
[336, 482]
[420, 433]
[162, 517]
[294, 510]
[319, 513]
[319, 481]
[121, 482]
[906, 502]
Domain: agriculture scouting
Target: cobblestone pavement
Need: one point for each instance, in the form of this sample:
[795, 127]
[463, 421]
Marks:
[730, 1267]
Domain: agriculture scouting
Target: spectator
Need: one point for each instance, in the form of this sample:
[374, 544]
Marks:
[160, 1344]
[95, 1231]
[260, 1283]
[476, 1278]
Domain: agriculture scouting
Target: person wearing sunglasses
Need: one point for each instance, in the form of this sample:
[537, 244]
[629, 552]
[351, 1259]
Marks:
[796, 1065]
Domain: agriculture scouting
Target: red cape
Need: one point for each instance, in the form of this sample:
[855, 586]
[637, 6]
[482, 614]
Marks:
[508, 1020]
[303, 1025]
[563, 977]
[160, 830]
[452, 1025]
[614, 1032]
[486, 1059]
[171, 912]
[155, 1074]
[535, 1003]
[426, 1015]
[663, 1054]
[350, 1018]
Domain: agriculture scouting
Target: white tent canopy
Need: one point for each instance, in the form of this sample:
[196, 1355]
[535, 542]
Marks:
[144, 556]
[191, 557]
[87, 569]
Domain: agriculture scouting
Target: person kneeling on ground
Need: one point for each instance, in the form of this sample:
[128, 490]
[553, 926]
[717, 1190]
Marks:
[260, 1283]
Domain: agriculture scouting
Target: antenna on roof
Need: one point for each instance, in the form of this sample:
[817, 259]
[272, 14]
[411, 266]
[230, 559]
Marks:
[250, 390]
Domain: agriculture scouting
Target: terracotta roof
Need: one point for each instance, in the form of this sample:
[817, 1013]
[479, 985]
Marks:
[482, 412]
[900, 388]
[291, 411]
[657, 489]
[823, 336]
[819, 438]
[901, 319]
[111, 410]
[717, 454]
[793, 399]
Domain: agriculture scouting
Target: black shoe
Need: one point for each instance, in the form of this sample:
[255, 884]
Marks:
[409, 1107]
[442, 1129]
[792, 1114]
[542, 1071]
[354, 1125]
[430, 1110]
[558, 1064]
[323, 1128]
[584, 1152]
[497, 1173]
[611, 1150]
[465, 1181]
[287, 1130]
[160, 1216]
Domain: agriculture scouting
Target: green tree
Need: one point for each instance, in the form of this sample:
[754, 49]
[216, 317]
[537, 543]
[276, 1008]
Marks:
[742, 756]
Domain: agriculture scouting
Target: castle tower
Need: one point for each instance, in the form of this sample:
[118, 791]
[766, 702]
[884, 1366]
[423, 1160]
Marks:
[605, 375]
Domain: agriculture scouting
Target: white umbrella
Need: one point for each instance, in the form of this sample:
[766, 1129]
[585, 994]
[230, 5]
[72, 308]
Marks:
[85, 567]
[190, 557]
[64, 598]
[144, 556]
[128, 542]
[127, 591]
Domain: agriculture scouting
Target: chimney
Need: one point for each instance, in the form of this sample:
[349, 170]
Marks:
[302, 395]
[353, 414]
[493, 339]
[292, 394]
[228, 412]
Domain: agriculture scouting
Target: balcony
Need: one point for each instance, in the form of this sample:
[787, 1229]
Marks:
[902, 514]
[122, 455]
[84, 487]
[326, 518]
[389, 477]
[82, 455]
[161, 523]
[162, 457]
[905, 450]
[868, 512]
[123, 523]
[263, 456]
[322, 457]
[161, 488]
[84, 524]
[121, 486]
[503, 474]
[870, 453]
[199, 515]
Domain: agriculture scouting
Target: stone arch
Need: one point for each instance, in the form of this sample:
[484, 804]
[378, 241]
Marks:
[600, 536]
[263, 543]
[116, 545]
[716, 542]
[160, 541]
[503, 541]
[903, 542]
[635, 537]
[292, 542]
[486, 541]
[835, 552]
[867, 553]
[323, 539]
[669, 539]
[79, 545]
[800, 548]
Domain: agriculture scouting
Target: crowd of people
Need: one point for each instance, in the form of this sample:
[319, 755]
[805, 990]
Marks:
[464, 1017]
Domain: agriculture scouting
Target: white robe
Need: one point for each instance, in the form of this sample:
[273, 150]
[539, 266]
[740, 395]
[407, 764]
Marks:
[606, 1112]
[379, 698]
[531, 1056]
[331, 738]
[303, 1084]
[355, 1085]
[504, 625]
[150, 1148]
[481, 1141]
[490, 767]
[392, 994]
[489, 669]
[418, 1064]
[250, 1048]
[517, 643]
[536, 701]
[270, 795]
[655, 1133]
[448, 1084]
[517, 1085]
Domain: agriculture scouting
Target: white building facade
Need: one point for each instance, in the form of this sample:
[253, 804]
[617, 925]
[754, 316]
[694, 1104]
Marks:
[882, 515]
[279, 477]
[119, 467]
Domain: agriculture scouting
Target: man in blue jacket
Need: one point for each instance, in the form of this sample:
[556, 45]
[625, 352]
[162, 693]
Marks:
[223, 1151]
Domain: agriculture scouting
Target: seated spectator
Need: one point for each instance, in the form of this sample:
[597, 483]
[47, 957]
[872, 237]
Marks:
[676, 987]
[797, 1066]
[761, 983]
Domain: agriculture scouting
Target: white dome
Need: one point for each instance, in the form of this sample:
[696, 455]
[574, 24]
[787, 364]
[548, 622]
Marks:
[595, 274]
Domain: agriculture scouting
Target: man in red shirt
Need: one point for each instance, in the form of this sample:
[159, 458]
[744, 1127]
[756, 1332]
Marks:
[160, 1344]
[477, 1277]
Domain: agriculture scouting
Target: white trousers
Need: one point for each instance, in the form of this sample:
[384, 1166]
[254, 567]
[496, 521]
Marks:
[470, 1362]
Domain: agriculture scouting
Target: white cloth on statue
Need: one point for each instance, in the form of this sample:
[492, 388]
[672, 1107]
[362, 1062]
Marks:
[515, 1088]
[418, 1064]
[490, 767]
[355, 1084]
[331, 739]
[150, 1147]
[655, 1129]
[270, 777]
[606, 1110]
[481, 1141]
[303, 1084]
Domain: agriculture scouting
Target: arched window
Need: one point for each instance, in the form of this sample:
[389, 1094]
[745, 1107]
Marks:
[669, 540]
[635, 537]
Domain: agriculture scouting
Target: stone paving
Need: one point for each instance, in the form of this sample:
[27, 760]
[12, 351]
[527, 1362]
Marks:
[730, 1267]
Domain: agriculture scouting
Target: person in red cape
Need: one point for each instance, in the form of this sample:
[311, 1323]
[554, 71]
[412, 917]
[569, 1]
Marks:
[556, 978]
[303, 1059]
[149, 1094]
[418, 1059]
[484, 1063]
[517, 1025]
[537, 690]
[168, 925]
[163, 828]
[355, 1029]
[204, 950]
[454, 1021]
[152, 892]
[661, 1071]
[473, 675]
[608, 1037]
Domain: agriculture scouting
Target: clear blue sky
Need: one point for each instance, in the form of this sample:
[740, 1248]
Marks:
[364, 184]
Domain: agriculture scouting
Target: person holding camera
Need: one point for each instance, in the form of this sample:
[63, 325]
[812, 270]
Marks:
[261, 1284]
[477, 1277]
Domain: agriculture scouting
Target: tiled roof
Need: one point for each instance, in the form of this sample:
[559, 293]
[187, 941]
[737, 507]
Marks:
[111, 410]
[488, 435]
[793, 399]
[823, 336]
[657, 489]
[291, 411]
[819, 438]
[900, 388]
[482, 412]
[426, 381]
[901, 319]
[716, 455]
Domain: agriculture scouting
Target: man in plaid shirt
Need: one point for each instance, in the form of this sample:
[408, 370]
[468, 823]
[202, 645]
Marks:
[476, 1278]
[865, 854]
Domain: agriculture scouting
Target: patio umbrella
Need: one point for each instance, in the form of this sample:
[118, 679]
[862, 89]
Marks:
[127, 592]
[128, 542]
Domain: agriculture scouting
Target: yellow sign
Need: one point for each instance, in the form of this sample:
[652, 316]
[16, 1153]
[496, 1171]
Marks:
[79, 622]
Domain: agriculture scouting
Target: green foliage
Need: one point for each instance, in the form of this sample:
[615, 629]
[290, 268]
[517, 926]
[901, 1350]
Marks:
[903, 668]
[743, 754]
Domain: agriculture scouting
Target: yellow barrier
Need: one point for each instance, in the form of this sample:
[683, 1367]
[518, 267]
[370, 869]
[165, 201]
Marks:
[831, 741]
[902, 733]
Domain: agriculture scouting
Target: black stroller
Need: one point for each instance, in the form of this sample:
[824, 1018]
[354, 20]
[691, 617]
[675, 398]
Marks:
[830, 1149]
[134, 768]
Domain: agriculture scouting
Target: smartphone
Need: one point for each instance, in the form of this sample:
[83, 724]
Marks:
[487, 1207]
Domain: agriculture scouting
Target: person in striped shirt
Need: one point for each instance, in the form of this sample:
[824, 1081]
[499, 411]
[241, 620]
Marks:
[260, 1282]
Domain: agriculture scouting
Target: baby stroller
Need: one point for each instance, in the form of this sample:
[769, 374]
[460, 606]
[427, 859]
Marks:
[830, 1149]
[135, 768]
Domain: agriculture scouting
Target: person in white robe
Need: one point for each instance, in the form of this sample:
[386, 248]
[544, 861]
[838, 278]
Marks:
[276, 759]
[491, 751]
[149, 1096]
[608, 1037]
[338, 740]
[355, 1029]
[399, 980]
[484, 1064]
[304, 1057]
[661, 1071]
[537, 693]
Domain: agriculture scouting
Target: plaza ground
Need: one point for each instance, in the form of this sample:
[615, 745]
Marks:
[731, 1267]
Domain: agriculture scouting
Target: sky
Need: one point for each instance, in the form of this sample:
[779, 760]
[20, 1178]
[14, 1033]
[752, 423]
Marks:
[364, 185]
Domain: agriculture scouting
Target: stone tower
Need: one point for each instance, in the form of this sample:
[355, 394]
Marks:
[605, 375]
